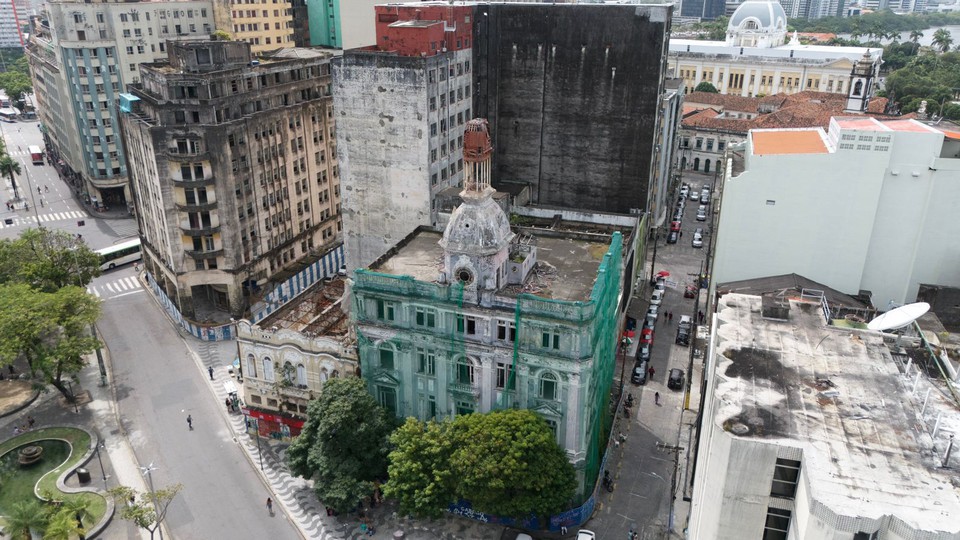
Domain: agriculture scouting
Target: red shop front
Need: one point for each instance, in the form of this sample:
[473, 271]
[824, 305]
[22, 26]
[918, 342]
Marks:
[272, 425]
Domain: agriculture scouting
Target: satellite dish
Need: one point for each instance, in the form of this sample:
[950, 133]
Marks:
[902, 316]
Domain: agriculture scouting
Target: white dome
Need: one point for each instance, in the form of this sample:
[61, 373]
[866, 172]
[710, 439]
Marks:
[757, 23]
[758, 15]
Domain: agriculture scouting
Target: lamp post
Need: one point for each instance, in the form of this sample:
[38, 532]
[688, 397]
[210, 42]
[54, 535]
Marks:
[153, 496]
[103, 473]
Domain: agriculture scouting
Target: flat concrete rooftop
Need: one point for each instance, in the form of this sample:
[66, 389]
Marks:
[566, 266]
[841, 397]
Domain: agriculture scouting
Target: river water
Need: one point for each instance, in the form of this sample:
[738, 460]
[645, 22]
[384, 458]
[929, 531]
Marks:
[927, 38]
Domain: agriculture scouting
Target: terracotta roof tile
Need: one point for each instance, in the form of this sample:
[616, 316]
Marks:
[735, 103]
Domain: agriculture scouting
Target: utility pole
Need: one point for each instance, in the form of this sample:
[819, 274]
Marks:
[673, 479]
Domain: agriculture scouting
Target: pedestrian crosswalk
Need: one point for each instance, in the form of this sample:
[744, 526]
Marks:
[44, 218]
[115, 287]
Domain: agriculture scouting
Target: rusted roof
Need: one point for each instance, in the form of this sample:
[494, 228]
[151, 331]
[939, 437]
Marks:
[788, 141]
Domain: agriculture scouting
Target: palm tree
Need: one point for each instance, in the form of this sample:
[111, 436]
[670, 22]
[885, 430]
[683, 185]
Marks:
[62, 526]
[9, 167]
[916, 35]
[942, 39]
[78, 508]
[24, 517]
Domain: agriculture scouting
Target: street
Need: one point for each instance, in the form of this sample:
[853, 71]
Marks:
[158, 384]
[657, 437]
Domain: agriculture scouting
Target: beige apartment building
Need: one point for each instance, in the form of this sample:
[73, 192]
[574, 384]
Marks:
[233, 165]
[266, 25]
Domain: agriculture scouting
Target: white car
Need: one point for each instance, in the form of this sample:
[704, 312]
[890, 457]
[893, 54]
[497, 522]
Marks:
[702, 213]
[694, 195]
[584, 534]
[697, 241]
[652, 310]
[656, 298]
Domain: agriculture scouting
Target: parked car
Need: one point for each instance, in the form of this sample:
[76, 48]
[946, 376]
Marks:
[646, 336]
[684, 328]
[690, 292]
[675, 225]
[704, 198]
[643, 351]
[678, 215]
[675, 379]
[697, 240]
[584, 534]
[639, 374]
[684, 191]
[702, 213]
[652, 310]
[699, 231]
[660, 284]
[656, 298]
[648, 322]
[673, 237]
[694, 195]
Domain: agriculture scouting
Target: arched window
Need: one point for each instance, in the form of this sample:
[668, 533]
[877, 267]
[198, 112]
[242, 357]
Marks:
[696, 164]
[683, 163]
[323, 375]
[288, 372]
[301, 375]
[858, 88]
[268, 369]
[251, 366]
[465, 371]
[718, 164]
[548, 386]
[706, 165]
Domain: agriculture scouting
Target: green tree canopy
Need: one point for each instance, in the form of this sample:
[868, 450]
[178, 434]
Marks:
[25, 516]
[706, 87]
[508, 463]
[942, 39]
[16, 85]
[419, 470]
[343, 445]
[50, 330]
[930, 77]
[504, 462]
[47, 259]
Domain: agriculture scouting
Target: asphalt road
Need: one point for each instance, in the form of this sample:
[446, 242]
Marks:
[59, 209]
[158, 384]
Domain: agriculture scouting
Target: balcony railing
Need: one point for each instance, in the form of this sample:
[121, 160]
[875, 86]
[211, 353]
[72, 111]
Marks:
[212, 254]
[203, 231]
[180, 182]
[196, 206]
[175, 155]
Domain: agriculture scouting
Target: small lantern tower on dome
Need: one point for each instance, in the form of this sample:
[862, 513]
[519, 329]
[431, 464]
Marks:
[477, 152]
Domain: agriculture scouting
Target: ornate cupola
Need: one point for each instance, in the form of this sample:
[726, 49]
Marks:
[861, 84]
[477, 239]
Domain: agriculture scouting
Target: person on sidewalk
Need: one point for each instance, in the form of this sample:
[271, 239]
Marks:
[270, 505]
[650, 373]
[210, 371]
[190, 419]
[228, 404]
[656, 398]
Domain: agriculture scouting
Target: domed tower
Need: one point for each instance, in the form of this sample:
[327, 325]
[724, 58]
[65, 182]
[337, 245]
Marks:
[757, 23]
[476, 242]
[861, 84]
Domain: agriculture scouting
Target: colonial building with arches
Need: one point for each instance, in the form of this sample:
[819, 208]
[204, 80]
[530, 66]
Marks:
[285, 359]
[487, 316]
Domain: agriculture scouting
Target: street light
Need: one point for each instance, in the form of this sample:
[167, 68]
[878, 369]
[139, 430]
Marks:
[103, 473]
[153, 495]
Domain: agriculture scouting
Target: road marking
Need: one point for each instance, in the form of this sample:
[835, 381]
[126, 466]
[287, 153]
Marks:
[126, 294]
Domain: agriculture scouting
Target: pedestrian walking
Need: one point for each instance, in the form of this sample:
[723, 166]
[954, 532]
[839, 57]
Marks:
[41, 203]
[38, 190]
[656, 398]
[671, 317]
[563, 530]
[190, 419]
[210, 371]
[46, 188]
[650, 372]
[228, 404]
[30, 421]
[270, 505]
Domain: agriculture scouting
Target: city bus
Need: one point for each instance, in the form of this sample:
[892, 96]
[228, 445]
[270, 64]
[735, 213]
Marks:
[119, 254]
[36, 154]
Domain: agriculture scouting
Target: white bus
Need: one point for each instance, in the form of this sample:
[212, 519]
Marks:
[119, 254]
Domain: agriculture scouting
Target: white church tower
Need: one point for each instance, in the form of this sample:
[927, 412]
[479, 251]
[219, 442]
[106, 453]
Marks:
[861, 84]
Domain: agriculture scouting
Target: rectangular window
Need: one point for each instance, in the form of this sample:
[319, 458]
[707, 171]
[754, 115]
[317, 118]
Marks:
[550, 340]
[385, 310]
[506, 331]
[426, 317]
[504, 378]
[777, 524]
[466, 325]
[785, 477]
[386, 358]
[426, 361]
[387, 397]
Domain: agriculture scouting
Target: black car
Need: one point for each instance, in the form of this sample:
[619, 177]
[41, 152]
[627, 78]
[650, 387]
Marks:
[675, 379]
[673, 237]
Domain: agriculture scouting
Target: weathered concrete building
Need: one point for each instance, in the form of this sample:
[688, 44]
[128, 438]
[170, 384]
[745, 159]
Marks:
[82, 55]
[288, 356]
[234, 168]
[572, 93]
[401, 109]
[487, 316]
[266, 25]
